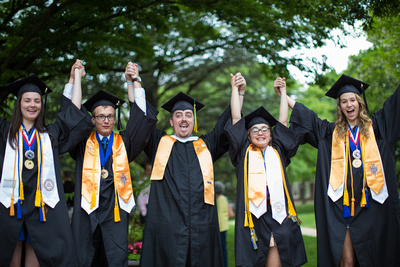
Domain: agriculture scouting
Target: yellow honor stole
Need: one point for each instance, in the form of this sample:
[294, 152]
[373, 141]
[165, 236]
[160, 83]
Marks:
[91, 175]
[371, 162]
[203, 155]
[255, 187]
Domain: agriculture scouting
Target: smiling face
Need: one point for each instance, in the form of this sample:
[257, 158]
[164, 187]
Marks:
[350, 107]
[31, 104]
[104, 127]
[182, 121]
[262, 137]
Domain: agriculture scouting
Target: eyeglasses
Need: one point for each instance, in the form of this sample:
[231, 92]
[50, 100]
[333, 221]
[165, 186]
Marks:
[103, 118]
[255, 131]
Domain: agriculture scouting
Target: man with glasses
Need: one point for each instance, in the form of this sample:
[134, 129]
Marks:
[104, 196]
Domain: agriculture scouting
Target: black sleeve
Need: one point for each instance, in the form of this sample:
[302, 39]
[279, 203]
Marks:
[72, 125]
[386, 120]
[217, 141]
[138, 129]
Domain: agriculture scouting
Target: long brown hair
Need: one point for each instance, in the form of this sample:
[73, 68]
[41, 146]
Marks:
[363, 119]
[16, 121]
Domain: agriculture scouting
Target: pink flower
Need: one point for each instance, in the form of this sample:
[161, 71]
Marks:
[138, 245]
[135, 251]
[130, 247]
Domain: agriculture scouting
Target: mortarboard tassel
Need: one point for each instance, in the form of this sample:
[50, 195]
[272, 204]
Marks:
[119, 115]
[352, 206]
[195, 117]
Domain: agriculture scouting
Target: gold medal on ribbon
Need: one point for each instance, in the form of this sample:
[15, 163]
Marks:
[104, 173]
[357, 163]
[29, 164]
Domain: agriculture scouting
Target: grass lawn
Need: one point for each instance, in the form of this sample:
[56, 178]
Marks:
[306, 214]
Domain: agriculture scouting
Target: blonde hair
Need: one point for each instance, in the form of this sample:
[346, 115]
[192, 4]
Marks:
[363, 119]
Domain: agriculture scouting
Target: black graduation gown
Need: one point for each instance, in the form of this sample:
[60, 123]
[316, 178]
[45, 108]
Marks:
[287, 235]
[180, 228]
[114, 234]
[51, 240]
[375, 231]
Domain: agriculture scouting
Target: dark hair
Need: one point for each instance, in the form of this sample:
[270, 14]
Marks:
[16, 121]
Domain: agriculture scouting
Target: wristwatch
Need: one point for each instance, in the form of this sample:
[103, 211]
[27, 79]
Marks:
[137, 79]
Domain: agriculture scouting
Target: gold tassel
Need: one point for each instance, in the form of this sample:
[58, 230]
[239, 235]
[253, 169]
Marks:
[363, 199]
[37, 198]
[93, 202]
[352, 206]
[195, 117]
[346, 198]
[116, 213]
[12, 212]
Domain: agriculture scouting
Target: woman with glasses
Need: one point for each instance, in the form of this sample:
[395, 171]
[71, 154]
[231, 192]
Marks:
[267, 231]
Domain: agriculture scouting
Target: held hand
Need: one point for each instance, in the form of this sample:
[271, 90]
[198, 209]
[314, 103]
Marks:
[233, 82]
[77, 65]
[280, 86]
[131, 71]
[240, 82]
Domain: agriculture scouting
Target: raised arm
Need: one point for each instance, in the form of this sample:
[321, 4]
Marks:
[77, 73]
[132, 72]
[280, 89]
[238, 84]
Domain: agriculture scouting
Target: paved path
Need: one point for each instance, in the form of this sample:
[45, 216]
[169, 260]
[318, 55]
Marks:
[309, 231]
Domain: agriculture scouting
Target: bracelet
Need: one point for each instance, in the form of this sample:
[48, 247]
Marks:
[241, 94]
[129, 83]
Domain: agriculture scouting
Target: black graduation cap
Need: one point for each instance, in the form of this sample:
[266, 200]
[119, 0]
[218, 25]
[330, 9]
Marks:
[347, 84]
[260, 115]
[103, 98]
[182, 101]
[31, 83]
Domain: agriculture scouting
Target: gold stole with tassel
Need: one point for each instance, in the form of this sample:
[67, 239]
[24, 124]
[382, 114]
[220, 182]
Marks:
[373, 173]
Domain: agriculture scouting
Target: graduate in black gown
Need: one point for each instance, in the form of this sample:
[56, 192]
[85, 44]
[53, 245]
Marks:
[357, 206]
[267, 229]
[103, 190]
[34, 218]
[182, 222]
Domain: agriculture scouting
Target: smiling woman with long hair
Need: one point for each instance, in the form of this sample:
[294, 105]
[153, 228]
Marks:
[33, 209]
[357, 205]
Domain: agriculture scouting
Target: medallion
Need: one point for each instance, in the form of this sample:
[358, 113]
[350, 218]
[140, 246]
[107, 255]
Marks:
[104, 173]
[29, 154]
[357, 163]
[29, 164]
[357, 154]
